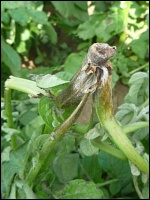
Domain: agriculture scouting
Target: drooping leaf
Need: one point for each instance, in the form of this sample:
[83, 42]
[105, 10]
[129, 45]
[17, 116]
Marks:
[80, 189]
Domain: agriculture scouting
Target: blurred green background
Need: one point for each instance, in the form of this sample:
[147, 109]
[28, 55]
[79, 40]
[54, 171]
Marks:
[49, 36]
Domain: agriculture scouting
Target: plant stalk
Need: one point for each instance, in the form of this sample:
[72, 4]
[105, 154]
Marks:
[55, 138]
[103, 106]
[103, 146]
[8, 109]
[134, 126]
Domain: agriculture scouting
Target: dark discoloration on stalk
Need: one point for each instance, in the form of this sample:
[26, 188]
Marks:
[93, 73]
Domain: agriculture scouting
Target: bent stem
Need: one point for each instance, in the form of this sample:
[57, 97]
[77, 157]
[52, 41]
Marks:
[103, 106]
[55, 138]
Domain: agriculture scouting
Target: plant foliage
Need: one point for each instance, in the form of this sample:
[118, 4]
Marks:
[51, 37]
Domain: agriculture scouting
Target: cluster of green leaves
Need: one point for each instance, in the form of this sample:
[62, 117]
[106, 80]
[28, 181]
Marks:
[75, 168]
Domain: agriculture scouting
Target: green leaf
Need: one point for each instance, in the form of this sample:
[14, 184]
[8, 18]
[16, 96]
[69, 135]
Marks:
[95, 132]
[24, 85]
[48, 81]
[38, 17]
[81, 4]
[10, 57]
[5, 17]
[115, 168]
[96, 172]
[139, 47]
[66, 167]
[16, 4]
[111, 25]
[5, 156]
[66, 145]
[115, 187]
[80, 10]
[51, 32]
[87, 148]
[27, 116]
[138, 91]
[68, 9]
[28, 191]
[20, 15]
[126, 113]
[45, 108]
[80, 189]
[10, 132]
[145, 192]
[64, 75]
[73, 62]
[65, 8]
[87, 29]
[39, 141]
[13, 166]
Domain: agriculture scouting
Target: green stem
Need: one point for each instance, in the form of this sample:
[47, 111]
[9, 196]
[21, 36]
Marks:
[138, 69]
[107, 182]
[24, 85]
[103, 146]
[8, 109]
[53, 139]
[124, 144]
[146, 103]
[135, 126]
[81, 128]
[46, 149]
[103, 106]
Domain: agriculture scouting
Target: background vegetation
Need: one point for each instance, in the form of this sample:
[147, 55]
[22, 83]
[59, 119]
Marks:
[46, 37]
